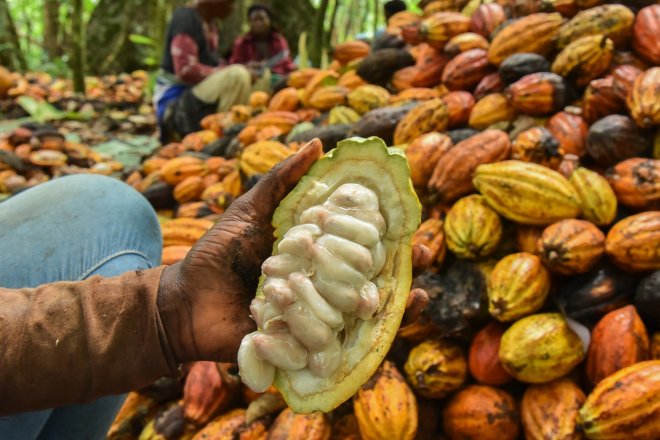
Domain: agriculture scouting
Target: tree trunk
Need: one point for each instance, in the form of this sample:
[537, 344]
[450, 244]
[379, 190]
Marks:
[292, 18]
[318, 37]
[232, 27]
[109, 28]
[52, 28]
[11, 54]
[376, 17]
[78, 52]
[330, 36]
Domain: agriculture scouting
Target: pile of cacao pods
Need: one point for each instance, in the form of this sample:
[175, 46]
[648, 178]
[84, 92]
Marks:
[532, 130]
[126, 90]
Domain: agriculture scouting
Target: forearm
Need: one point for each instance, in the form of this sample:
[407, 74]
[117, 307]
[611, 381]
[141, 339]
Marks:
[73, 342]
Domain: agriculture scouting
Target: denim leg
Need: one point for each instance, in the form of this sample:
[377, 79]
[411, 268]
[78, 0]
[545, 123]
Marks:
[66, 230]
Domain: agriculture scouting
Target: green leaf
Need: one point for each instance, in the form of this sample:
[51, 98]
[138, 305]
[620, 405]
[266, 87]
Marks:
[129, 151]
[142, 40]
[41, 111]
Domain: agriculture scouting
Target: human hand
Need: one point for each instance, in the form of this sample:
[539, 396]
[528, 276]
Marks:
[204, 299]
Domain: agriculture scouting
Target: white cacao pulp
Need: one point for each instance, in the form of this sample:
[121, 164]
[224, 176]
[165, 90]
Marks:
[321, 277]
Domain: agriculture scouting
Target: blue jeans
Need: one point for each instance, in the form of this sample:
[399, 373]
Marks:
[65, 230]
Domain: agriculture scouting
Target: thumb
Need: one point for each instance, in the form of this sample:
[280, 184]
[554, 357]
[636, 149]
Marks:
[274, 186]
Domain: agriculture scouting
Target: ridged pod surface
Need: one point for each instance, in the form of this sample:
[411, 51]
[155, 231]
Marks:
[532, 34]
[601, 99]
[431, 234]
[540, 348]
[526, 192]
[423, 153]
[459, 106]
[466, 70]
[571, 246]
[612, 21]
[643, 100]
[536, 145]
[481, 412]
[436, 368]
[490, 110]
[517, 287]
[538, 94]
[616, 138]
[550, 410]
[625, 405]
[452, 177]
[441, 27]
[483, 360]
[584, 59]
[464, 42]
[184, 231]
[645, 33]
[472, 228]
[617, 341]
[431, 115]
[290, 426]
[636, 183]
[486, 18]
[571, 132]
[328, 97]
[368, 97]
[597, 198]
[634, 242]
[386, 407]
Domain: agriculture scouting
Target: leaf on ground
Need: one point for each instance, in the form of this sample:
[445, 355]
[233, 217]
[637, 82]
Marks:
[129, 151]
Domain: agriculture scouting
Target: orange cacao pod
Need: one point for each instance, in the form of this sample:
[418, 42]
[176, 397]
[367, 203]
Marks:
[325, 98]
[634, 242]
[571, 246]
[483, 360]
[414, 94]
[350, 50]
[429, 66]
[625, 405]
[645, 33]
[527, 238]
[189, 189]
[176, 170]
[432, 235]
[280, 119]
[466, 70]
[617, 341]
[423, 153]
[351, 80]
[208, 390]
[487, 18]
[300, 78]
[440, 27]
[259, 99]
[538, 94]
[385, 406]
[491, 83]
[286, 100]
[536, 145]
[174, 254]
[571, 132]
[291, 426]
[452, 176]
[464, 42]
[481, 412]
[550, 410]
[532, 34]
[636, 183]
[643, 100]
[459, 105]
[624, 79]
[491, 109]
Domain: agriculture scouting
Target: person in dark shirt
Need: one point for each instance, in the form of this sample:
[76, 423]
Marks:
[194, 81]
[263, 49]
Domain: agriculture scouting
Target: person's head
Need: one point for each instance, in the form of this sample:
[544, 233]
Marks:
[394, 6]
[260, 18]
[212, 9]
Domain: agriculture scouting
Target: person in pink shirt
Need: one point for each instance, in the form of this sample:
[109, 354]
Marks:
[263, 48]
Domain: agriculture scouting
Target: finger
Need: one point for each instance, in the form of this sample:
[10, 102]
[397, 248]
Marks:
[417, 300]
[422, 259]
[271, 189]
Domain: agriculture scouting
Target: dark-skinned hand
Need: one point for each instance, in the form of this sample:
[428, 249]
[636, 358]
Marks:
[204, 299]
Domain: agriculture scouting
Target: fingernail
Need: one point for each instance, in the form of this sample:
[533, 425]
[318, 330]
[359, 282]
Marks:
[309, 146]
